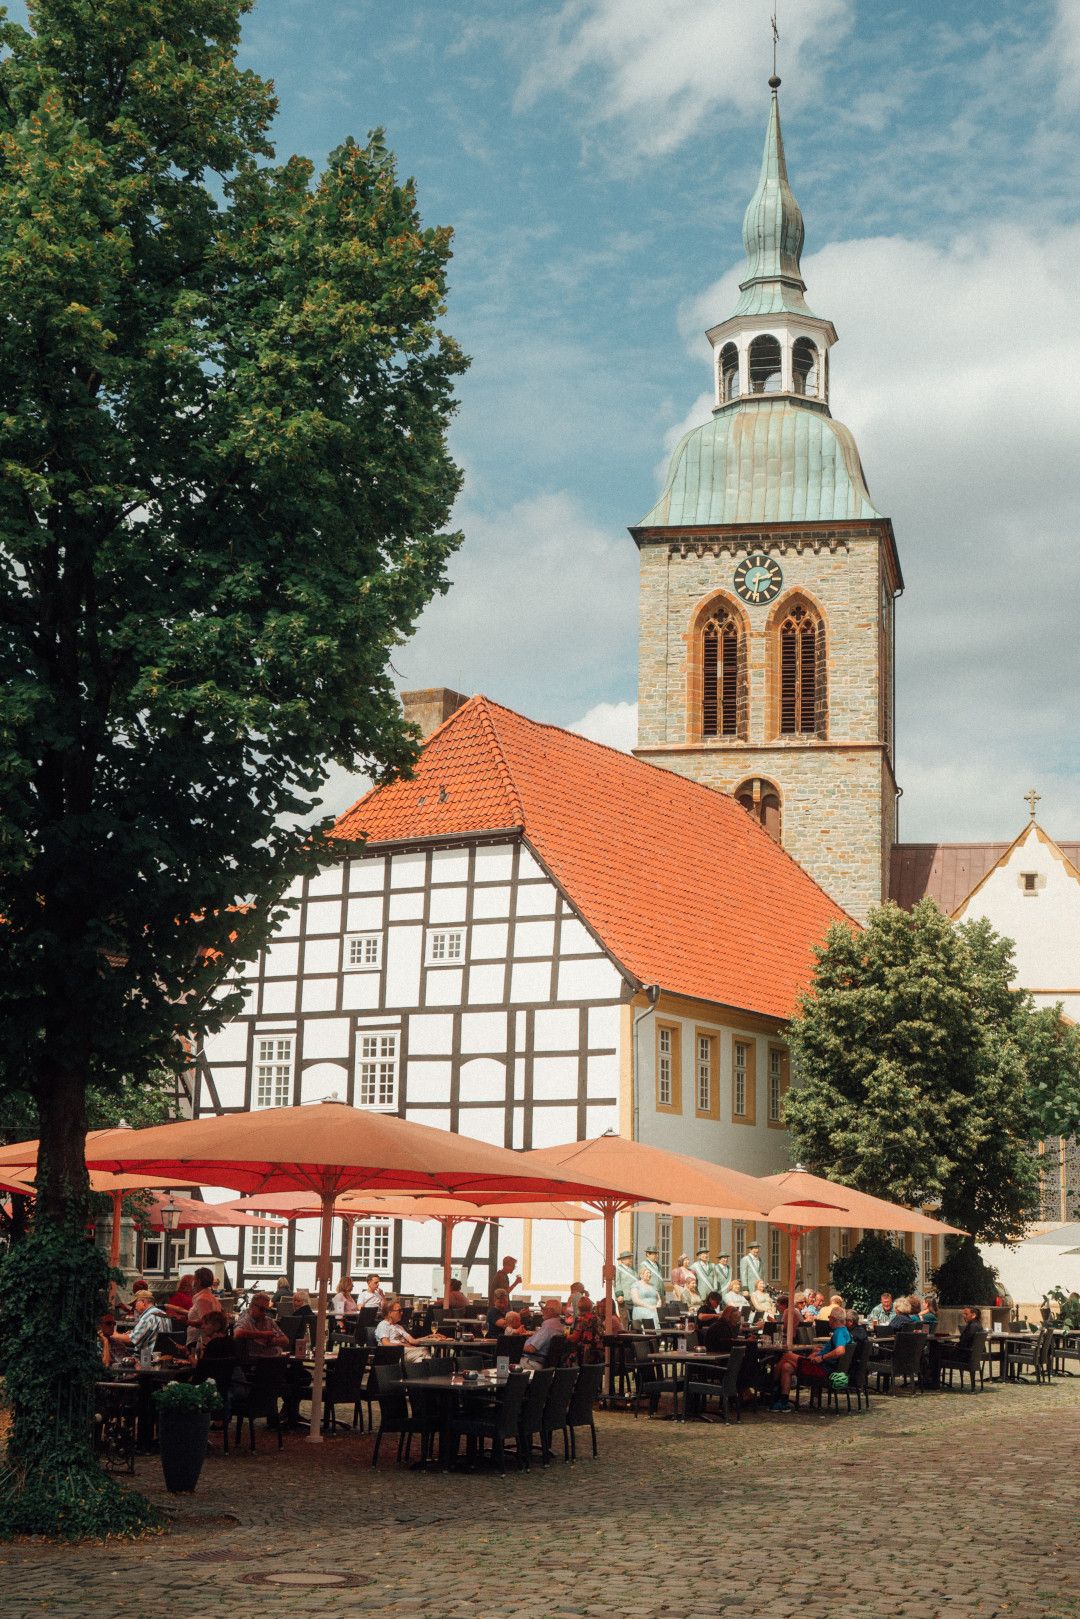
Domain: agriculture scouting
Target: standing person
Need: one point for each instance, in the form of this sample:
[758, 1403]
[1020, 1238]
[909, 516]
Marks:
[180, 1302]
[703, 1274]
[750, 1271]
[505, 1280]
[577, 1293]
[203, 1301]
[644, 1300]
[683, 1280]
[722, 1273]
[625, 1278]
[656, 1275]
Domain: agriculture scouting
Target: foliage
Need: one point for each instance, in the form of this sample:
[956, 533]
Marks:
[198, 1397]
[914, 1060]
[52, 1289]
[874, 1266]
[224, 484]
[964, 1277]
[1068, 1307]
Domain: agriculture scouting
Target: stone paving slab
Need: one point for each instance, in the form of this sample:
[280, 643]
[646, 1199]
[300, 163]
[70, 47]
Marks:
[928, 1505]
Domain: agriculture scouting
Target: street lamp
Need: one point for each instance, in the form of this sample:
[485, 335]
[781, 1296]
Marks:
[170, 1219]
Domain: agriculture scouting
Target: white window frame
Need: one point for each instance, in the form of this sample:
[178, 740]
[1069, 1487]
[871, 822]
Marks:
[446, 947]
[665, 1046]
[742, 1065]
[663, 1243]
[701, 1234]
[738, 1246]
[152, 1252]
[703, 1073]
[373, 1247]
[265, 1248]
[775, 1255]
[369, 946]
[378, 1055]
[775, 1100]
[845, 1243]
[272, 1080]
[927, 1260]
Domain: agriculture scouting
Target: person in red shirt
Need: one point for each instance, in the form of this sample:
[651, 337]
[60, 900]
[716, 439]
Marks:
[181, 1301]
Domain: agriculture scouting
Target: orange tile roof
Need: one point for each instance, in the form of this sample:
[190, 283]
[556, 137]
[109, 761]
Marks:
[679, 883]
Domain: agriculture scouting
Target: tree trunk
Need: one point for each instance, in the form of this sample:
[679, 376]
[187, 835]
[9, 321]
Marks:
[63, 1186]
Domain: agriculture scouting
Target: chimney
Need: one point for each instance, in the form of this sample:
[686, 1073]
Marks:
[429, 708]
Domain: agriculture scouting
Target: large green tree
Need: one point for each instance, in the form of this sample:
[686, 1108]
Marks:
[923, 1075]
[224, 485]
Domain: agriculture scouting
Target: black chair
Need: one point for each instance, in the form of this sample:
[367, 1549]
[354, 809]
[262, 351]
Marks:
[904, 1362]
[853, 1363]
[265, 1395]
[718, 1383]
[969, 1360]
[556, 1408]
[642, 1374]
[511, 1347]
[294, 1327]
[557, 1352]
[1036, 1354]
[381, 1355]
[804, 1333]
[815, 1385]
[532, 1413]
[587, 1391]
[859, 1374]
[469, 1362]
[116, 1410]
[393, 1405]
[500, 1425]
[345, 1385]
[366, 1322]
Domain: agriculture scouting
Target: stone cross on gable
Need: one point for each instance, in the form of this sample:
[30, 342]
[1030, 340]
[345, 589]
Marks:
[1033, 798]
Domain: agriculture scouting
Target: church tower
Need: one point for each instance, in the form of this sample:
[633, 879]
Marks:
[768, 582]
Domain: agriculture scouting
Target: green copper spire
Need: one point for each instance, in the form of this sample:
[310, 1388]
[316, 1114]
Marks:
[773, 232]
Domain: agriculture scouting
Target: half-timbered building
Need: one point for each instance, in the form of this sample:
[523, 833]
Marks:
[535, 939]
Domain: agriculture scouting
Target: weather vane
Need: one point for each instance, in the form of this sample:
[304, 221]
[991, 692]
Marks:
[774, 81]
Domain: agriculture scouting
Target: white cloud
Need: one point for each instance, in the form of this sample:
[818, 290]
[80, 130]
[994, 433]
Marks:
[957, 371]
[613, 723]
[655, 70]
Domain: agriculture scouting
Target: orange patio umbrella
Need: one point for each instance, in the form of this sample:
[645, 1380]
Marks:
[449, 1212]
[329, 1148]
[662, 1180]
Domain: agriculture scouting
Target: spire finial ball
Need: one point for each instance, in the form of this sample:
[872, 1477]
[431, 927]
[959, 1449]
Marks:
[774, 83]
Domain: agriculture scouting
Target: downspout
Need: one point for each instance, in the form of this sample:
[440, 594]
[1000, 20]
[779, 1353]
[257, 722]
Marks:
[652, 991]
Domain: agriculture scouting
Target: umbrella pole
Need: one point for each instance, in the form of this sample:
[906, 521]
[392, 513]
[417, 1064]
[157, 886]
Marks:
[448, 1222]
[609, 1263]
[793, 1244]
[323, 1280]
[114, 1244]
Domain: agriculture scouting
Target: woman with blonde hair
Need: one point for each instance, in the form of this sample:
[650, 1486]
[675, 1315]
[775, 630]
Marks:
[344, 1302]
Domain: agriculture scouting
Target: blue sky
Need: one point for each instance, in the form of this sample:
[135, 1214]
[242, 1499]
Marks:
[595, 159]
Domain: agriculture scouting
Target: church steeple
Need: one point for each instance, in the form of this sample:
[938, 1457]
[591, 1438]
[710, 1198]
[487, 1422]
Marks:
[772, 342]
[773, 232]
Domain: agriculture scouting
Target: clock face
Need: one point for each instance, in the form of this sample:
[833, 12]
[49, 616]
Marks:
[758, 578]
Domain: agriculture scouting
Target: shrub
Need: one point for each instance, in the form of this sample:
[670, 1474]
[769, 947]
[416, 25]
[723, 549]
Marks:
[964, 1277]
[188, 1397]
[874, 1266]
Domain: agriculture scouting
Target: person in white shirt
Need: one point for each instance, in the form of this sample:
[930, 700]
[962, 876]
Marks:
[391, 1331]
[737, 1297]
[372, 1296]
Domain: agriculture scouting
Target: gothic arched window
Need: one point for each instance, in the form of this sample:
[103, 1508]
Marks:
[723, 673]
[804, 368]
[729, 373]
[801, 670]
[765, 366]
[761, 799]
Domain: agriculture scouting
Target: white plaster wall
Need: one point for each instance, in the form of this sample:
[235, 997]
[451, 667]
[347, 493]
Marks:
[1045, 926]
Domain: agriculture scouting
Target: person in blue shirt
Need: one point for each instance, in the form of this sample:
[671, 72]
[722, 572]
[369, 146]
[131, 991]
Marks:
[883, 1314]
[815, 1363]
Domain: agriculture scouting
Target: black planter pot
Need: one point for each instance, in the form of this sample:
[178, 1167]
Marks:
[182, 1438]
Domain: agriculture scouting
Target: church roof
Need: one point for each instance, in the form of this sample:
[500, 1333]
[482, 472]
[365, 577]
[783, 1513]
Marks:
[677, 881]
[773, 234]
[948, 872]
[763, 461]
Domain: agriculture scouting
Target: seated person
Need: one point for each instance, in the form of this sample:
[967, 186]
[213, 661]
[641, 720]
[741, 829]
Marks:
[789, 1315]
[458, 1303]
[586, 1334]
[905, 1317]
[391, 1331]
[302, 1307]
[609, 1324]
[215, 1342]
[735, 1297]
[807, 1307]
[858, 1330]
[684, 1282]
[151, 1324]
[722, 1333]
[256, 1328]
[812, 1364]
[511, 1326]
[928, 1313]
[345, 1304]
[282, 1301]
[496, 1313]
[883, 1314]
[372, 1296]
[762, 1303]
[645, 1300]
[105, 1328]
[178, 1305]
[710, 1310]
[959, 1353]
[538, 1344]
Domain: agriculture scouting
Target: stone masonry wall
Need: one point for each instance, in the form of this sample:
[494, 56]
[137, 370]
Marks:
[837, 793]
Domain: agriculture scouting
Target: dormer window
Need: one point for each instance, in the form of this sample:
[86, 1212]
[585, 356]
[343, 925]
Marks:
[766, 375]
[729, 372]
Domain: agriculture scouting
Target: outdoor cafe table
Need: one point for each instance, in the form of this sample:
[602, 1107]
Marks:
[685, 1358]
[455, 1346]
[451, 1387]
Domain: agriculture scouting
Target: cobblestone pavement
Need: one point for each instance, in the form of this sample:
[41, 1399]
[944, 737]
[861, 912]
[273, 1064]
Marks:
[928, 1505]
